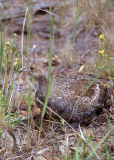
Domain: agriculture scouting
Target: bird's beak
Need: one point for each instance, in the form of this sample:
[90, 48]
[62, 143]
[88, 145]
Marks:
[23, 69]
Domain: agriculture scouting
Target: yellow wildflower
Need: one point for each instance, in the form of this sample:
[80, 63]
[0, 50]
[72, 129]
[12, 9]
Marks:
[7, 43]
[15, 35]
[101, 36]
[101, 52]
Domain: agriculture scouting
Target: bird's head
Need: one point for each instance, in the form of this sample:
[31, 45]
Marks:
[34, 71]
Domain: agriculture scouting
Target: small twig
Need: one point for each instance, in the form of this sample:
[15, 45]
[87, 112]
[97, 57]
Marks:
[22, 40]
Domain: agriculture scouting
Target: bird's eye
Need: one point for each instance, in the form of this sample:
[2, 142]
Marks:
[31, 68]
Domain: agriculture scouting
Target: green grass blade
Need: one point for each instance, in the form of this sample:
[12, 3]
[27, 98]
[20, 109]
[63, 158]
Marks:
[100, 143]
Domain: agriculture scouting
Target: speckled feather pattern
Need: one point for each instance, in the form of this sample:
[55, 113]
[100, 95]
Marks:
[67, 98]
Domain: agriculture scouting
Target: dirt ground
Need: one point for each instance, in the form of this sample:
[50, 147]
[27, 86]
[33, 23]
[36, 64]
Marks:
[76, 44]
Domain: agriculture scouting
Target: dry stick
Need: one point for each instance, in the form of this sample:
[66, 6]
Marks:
[80, 135]
[48, 12]
[22, 40]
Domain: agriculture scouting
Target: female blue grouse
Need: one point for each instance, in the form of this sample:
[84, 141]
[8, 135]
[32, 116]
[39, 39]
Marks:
[77, 98]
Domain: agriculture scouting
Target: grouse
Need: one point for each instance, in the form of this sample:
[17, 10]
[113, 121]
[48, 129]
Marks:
[76, 97]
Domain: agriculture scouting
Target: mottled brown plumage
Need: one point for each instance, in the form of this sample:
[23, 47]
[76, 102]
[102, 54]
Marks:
[77, 98]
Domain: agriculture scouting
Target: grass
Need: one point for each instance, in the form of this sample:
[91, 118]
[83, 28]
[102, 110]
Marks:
[11, 62]
[49, 84]
[76, 21]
